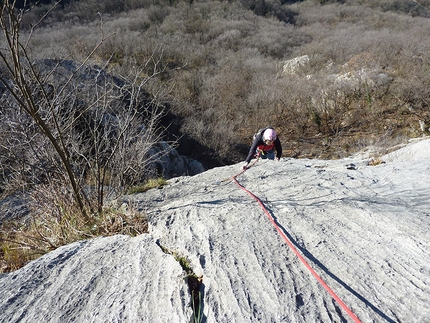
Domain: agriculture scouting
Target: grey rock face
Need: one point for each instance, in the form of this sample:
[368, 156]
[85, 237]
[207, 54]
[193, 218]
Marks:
[172, 164]
[115, 279]
[363, 230]
[13, 207]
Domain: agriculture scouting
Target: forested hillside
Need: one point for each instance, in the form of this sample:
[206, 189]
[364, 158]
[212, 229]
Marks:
[365, 79]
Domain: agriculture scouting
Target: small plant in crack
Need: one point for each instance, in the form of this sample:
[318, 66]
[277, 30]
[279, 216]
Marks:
[194, 284]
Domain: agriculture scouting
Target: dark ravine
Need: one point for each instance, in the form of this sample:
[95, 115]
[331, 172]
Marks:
[188, 146]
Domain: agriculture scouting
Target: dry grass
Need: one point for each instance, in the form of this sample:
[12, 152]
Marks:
[55, 222]
[375, 161]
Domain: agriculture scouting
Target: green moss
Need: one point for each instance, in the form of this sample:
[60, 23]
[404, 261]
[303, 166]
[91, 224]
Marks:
[151, 183]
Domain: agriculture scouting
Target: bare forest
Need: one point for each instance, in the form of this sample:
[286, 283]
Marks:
[225, 70]
[333, 77]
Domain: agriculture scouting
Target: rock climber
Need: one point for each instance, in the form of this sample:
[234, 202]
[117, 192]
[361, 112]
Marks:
[265, 141]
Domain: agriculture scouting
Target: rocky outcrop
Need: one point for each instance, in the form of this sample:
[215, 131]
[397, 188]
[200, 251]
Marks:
[14, 207]
[291, 66]
[115, 279]
[171, 164]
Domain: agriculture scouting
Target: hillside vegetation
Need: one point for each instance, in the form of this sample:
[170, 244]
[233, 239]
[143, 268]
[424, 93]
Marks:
[365, 81]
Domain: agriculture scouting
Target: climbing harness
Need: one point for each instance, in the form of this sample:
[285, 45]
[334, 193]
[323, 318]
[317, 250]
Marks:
[282, 234]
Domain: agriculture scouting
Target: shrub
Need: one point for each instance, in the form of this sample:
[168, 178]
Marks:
[54, 222]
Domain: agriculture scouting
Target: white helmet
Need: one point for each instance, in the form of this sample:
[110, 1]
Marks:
[269, 134]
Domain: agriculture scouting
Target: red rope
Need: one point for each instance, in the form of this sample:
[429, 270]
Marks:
[331, 292]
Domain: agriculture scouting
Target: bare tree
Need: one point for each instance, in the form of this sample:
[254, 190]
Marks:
[111, 139]
[74, 121]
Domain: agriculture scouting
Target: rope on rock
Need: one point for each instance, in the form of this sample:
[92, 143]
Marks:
[313, 272]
